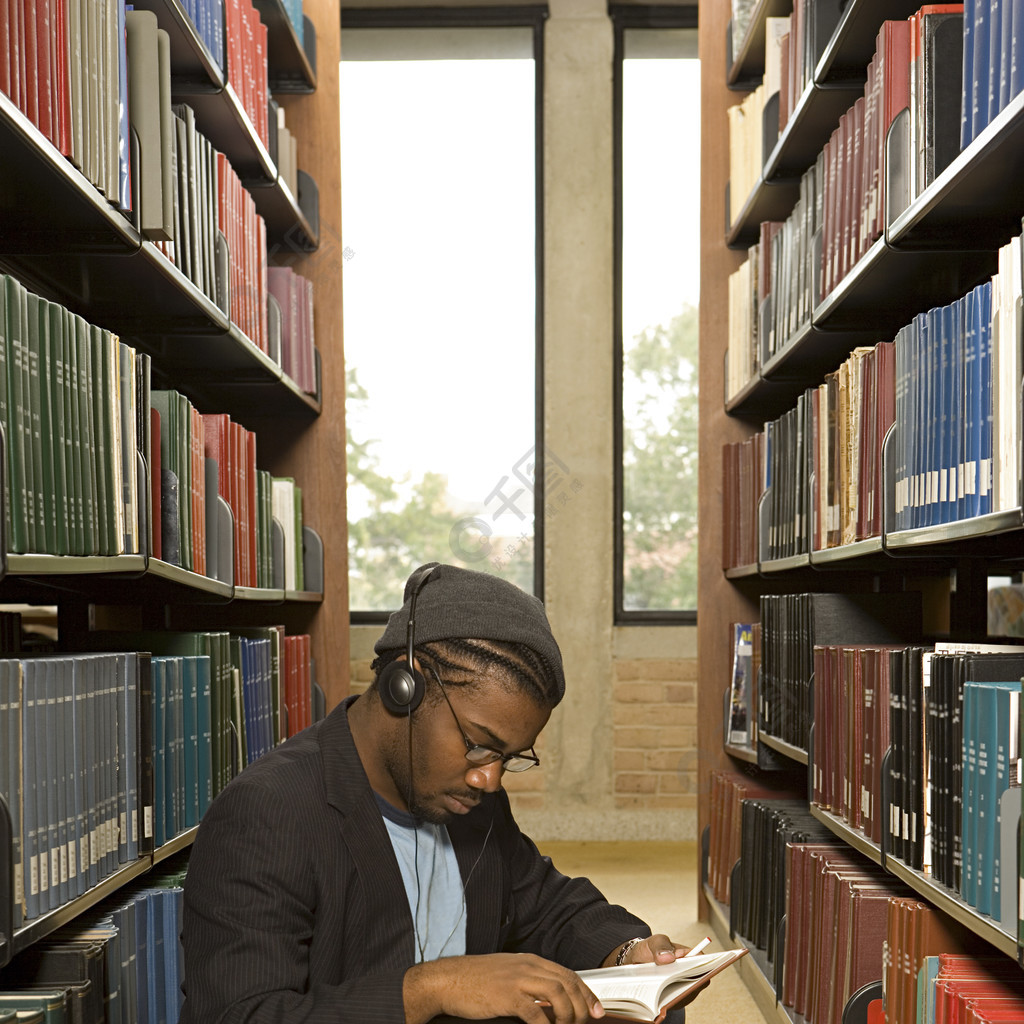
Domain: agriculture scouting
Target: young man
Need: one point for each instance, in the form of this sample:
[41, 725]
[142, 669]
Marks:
[370, 868]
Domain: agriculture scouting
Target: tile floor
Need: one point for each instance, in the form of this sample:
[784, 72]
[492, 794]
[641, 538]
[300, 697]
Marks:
[658, 882]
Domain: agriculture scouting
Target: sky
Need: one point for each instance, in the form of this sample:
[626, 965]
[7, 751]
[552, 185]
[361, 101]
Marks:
[438, 236]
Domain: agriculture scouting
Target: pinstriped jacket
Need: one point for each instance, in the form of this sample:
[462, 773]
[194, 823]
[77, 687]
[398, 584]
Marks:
[295, 910]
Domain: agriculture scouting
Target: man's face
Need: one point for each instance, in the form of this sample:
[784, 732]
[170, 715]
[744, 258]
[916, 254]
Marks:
[442, 783]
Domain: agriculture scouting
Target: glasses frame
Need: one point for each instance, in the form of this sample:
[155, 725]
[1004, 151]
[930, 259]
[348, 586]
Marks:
[480, 755]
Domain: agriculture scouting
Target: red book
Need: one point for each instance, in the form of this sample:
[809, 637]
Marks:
[6, 49]
[44, 68]
[62, 101]
[30, 81]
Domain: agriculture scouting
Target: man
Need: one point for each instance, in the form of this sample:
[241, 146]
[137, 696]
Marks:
[370, 868]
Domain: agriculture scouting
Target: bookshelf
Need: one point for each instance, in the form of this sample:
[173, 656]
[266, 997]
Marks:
[943, 244]
[63, 241]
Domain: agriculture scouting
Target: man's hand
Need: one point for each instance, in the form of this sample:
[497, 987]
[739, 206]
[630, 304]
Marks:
[498, 985]
[658, 949]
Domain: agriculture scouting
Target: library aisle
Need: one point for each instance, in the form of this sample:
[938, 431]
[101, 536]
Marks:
[658, 882]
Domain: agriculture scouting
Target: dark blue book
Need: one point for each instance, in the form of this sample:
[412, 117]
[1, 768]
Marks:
[979, 68]
[190, 740]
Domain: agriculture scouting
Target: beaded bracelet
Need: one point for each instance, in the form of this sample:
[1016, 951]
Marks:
[624, 952]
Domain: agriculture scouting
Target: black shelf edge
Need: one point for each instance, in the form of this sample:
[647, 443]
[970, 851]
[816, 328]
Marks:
[288, 63]
[853, 43]
[809, 127]
[911, 281]
[748, 63]
[769, 200]
[976, 201]
[192, 63]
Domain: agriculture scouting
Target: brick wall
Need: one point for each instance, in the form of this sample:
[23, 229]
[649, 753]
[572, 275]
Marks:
[654, 708]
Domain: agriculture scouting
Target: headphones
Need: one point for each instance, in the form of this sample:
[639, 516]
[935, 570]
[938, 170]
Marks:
[400, 686]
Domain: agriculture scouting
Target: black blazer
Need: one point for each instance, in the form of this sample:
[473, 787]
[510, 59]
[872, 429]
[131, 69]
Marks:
[295, 910]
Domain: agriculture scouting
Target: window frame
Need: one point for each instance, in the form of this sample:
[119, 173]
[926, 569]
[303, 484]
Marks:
[627, 17]
[532, 16]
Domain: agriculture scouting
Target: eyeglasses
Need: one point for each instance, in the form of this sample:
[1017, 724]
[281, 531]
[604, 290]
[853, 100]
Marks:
[478, 754]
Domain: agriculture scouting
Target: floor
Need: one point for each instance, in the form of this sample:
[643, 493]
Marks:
[658, 882]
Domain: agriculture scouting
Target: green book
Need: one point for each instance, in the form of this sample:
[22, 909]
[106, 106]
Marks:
[73, 458]
[48, 435]
[30, 399]
[87, 468]
[55, 370]
[15, 356]
[104, 460]
[300, 582]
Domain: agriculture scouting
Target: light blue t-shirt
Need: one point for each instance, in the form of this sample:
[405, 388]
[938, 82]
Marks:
[433, 883]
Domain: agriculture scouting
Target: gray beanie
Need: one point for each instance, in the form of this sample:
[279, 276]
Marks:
[462, 604]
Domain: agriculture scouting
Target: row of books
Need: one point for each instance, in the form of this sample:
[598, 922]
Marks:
[837, 909]
[208, 18]
[993, 63]
[58, 59]
[246, 46]
[957, 389]
[294, 295]
[848, 922]
[109, 755]
[79, 419]
[792, 625]
[949, 382]
[121, 962]
[69, 406]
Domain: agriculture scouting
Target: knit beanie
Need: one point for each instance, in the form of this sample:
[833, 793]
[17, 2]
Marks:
[463, 604]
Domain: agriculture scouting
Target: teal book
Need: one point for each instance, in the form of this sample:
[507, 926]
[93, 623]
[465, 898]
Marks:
[1006, 780]
[160, 753]
[190, 740]
[969, 831]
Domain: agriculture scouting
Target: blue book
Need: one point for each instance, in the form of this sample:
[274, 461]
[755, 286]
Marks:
[967, 102]
[144, 972]
[174, 766]
[92, 712]
[995, 57]
[1016, 42]
[926, 989]
[974, 408]
[970, 358]
[1005, 51]
[979, 68]
[984, 400]
[945, 380]
[171, 959]
[158, 979]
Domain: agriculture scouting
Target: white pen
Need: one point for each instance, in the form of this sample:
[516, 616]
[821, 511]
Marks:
[700, 946]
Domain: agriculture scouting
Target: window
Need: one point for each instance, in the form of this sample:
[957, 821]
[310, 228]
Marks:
[442, 304]
[657, 132]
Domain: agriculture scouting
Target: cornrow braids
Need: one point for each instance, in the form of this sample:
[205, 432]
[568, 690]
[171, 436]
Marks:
[526, 670]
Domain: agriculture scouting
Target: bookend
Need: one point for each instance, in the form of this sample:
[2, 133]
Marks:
[735, 875]
[899, 159]
[135, 170]
[6, 884]
[225, 533]
[309, 203]
[277, 554]
[222, 260]
[705, 855]
[319, 710]
[886, 809]
[212, 484]
[273, 329]
[769, 127]
[143, 508]
[309, 41]
[312, 560]
[856, 1009]
[780, 958]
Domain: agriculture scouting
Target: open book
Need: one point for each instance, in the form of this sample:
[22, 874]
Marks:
[644, 992]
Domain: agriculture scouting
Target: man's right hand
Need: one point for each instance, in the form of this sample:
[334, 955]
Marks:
[498, 985]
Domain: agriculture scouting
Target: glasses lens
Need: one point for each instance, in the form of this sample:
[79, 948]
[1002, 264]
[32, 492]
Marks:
[482, 755]
[519, 764]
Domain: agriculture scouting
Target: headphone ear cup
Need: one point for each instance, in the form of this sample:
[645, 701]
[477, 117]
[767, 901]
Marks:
[401, 688]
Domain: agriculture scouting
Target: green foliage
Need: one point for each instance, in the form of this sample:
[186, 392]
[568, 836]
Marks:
[660, 448]
[408, 522]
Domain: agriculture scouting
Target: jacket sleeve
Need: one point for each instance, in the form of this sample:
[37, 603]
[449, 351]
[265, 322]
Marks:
[563, 919]
[250, 909]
